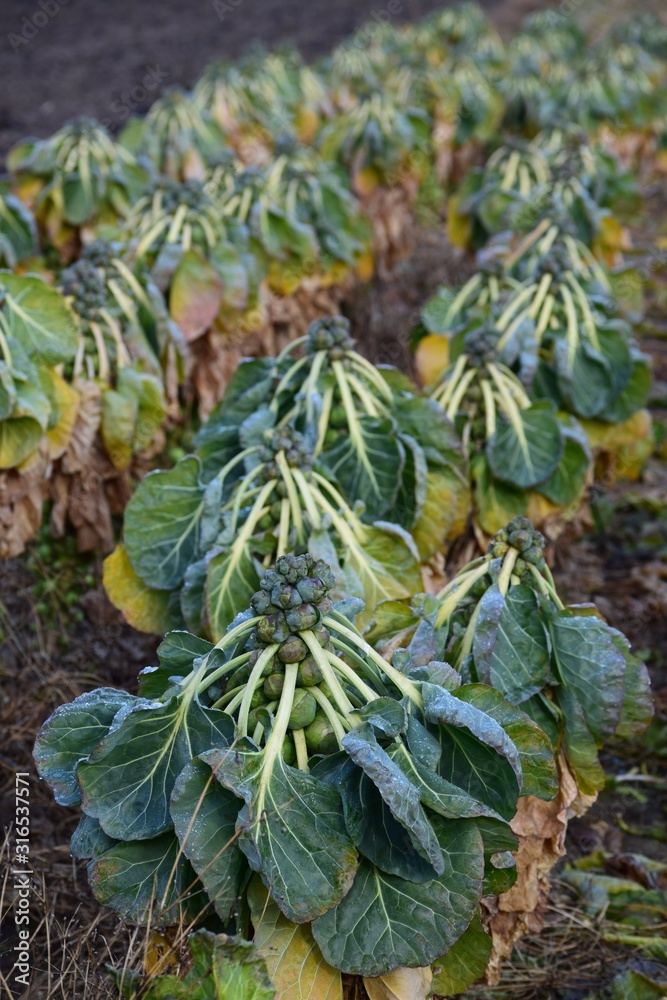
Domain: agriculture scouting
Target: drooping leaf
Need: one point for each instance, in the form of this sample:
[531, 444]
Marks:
[146, 609]
[568, 479]
[579, 745]
[39, 318]
[170, 519]
[19, 437]
[89, 839]
[291, 829]
[195, 294]
[292, 957]
[146, 881]
[526, 451]
[477, 754]
[538, 766]
[385, 922]
[589, 663]
[204, 815]
[128, 779]
[464, 963]
[70, 734]
[510, 646]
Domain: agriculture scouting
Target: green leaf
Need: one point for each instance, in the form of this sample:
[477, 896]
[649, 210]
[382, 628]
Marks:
[81, 199]
[464, 963]
[293, 959]
[19, 437]
[89, 839]
[585, 378]
[637, 710]
[371, 823]
[477, 754]
[396, 791]
[128, 778]
[589, 663]
[496, 502]
[510, 646]
[70, 734]
[119, 419]
[579, 745]
[231, 580]
[526, 451]
[195, 294]
[146, 881]
[538, 767]
[176, 654]
[368, 466]
[385, 565]
[568, 479]
[169, 521]
[204, 815]
[292, 831]
[439, 795]
[385, 922]
[39, 317]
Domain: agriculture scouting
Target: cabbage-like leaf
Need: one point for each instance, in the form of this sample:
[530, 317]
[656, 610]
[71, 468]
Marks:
[385, 922]
[169, 521]
[39, 318]
[70, 734]
[204, 815]
[291, 829]
[526, 449]
[367, 464]
[128, 778]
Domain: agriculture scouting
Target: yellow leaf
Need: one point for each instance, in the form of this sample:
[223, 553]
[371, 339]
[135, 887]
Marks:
[65, 404]
[366, 180]
[431, 357]
[145, 609]
[294, 961]
[401, 984]
[459, 226]
[365, 266]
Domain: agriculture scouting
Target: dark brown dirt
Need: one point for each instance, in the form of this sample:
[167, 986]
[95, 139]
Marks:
[60, 58]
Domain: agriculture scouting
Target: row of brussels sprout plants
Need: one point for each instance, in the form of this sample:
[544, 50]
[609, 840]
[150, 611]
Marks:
[138, 266]
[326, 760]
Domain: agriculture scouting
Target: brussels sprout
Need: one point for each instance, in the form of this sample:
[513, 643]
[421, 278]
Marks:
[273, 628]
[500, 549]
[320, 735]
[520, 567]
[338, 417]
[258, 698]
[276, 510]
[330, 437]
[321, 632]
[289, 753]
[305, 616]
[293, 650]
[502, 535]
[533, 555]
[311, 589]
[265, 523]
[521, 539]
[309, 673]
[273, 686]
[281, 489]
[261, 603]
[304, 709]
[286, 596]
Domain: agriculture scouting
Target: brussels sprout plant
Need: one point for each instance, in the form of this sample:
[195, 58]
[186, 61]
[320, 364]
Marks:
[500, 621]
[372, 802]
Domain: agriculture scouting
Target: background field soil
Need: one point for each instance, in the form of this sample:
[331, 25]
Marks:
[91, 54]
